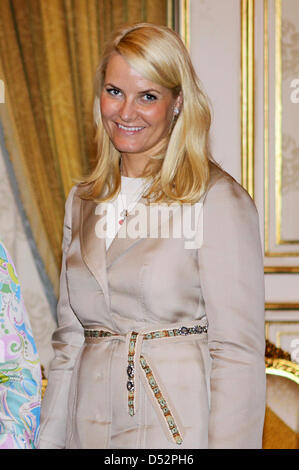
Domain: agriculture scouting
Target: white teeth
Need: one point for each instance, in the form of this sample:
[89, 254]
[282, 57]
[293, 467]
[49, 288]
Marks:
[130, 128]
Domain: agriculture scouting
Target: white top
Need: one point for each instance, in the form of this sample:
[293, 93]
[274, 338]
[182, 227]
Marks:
[131, 191]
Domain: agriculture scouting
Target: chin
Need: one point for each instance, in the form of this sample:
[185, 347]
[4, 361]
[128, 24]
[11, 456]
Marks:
[128, 148]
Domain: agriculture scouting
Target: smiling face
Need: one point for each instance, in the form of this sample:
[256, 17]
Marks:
[137, 114]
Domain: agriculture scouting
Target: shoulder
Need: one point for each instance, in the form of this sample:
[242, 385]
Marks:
[230, 217]
[73, 193]
[224, 191]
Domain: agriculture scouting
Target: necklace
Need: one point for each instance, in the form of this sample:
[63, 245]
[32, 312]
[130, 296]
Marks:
[126, 210]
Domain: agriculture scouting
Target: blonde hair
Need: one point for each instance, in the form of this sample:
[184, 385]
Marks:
[181, 173]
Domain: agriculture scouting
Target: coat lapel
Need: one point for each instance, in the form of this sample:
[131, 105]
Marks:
[93, 247]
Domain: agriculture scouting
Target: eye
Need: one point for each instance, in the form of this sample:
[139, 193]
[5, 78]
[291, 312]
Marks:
[149, 97]
[113, 91]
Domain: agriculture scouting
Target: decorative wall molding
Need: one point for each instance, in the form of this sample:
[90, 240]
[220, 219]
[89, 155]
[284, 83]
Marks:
[281, 306]
[247, 94]
[178, 18]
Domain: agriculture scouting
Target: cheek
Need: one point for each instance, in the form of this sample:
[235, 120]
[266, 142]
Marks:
[108, 108]
[160, 115]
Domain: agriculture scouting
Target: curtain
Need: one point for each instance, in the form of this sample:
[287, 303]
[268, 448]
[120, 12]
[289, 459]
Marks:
[49, 51]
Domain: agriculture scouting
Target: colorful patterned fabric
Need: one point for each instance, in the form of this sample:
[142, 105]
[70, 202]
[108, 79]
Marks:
[20, 375]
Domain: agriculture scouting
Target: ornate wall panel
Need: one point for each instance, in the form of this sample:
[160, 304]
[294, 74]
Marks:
[281, 55]
[270, 153]
[281, 157]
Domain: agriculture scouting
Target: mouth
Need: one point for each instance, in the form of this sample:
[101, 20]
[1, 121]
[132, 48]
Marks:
[129, 129]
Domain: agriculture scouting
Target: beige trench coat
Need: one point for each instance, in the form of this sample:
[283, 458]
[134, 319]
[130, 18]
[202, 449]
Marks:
[209, 387]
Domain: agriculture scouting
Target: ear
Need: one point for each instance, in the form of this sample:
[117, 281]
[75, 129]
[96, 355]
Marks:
[179, 101]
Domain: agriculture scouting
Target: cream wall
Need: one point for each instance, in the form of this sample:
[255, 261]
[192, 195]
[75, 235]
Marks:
[215, 52]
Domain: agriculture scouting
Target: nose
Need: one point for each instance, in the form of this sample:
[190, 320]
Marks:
[128, 112]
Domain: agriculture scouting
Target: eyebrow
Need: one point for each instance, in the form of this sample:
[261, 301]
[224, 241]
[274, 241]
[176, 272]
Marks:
[151, 90]
[142, 92]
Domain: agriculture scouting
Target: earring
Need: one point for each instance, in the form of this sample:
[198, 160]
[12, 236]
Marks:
[176, 111]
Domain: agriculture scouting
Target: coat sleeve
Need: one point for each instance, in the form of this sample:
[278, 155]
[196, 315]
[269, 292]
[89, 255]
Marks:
[232, 282]
[66, 341]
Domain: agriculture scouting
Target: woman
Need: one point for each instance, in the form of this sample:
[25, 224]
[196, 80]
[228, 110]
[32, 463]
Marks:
[160, 344]
[20, 375]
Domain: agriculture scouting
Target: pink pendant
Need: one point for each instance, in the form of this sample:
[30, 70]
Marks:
[121, 221]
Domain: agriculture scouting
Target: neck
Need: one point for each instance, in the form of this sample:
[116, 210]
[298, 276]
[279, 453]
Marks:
[133, 166]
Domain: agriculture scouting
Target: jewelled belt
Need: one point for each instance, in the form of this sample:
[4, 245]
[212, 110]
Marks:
[135, 340]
